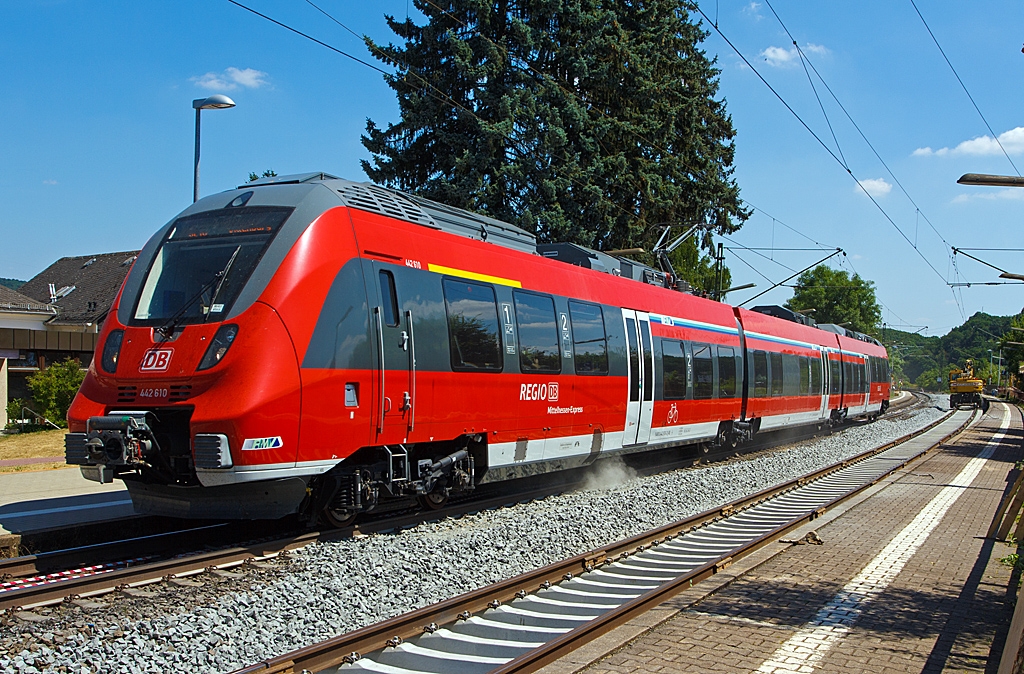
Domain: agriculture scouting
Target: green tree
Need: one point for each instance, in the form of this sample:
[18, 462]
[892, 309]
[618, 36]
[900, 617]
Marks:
[1012, 349]
[269, 173]
[836, 297]
[54, 388]
[588, 121]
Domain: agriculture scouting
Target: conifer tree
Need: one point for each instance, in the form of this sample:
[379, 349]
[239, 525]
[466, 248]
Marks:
[591, 121]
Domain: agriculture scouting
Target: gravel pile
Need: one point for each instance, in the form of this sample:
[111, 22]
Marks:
[330, 588]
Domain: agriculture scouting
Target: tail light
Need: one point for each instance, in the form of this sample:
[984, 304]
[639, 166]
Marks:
[219, 346]
[111, 351]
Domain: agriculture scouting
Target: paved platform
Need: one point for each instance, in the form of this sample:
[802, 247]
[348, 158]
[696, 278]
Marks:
[904, 582]
[53, 498]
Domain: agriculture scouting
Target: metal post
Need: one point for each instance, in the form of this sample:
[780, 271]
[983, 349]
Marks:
[195, 178]
[999, 372]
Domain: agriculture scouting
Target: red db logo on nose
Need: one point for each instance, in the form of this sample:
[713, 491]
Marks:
[156, 360]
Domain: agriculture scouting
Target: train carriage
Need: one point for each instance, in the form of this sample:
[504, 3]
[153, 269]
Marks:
[309, 344]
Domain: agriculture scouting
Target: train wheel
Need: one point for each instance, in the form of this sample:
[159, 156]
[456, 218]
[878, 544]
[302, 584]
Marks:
[339, 519]
[435, 500]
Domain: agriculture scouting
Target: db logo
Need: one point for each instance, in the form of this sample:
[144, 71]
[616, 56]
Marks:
[547, 392]
[156, 360]
[673, 414]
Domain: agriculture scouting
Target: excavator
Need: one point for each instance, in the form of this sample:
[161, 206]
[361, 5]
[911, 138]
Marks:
[965, 388]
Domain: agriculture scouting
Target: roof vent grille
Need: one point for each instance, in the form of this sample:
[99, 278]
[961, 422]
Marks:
[378, 200]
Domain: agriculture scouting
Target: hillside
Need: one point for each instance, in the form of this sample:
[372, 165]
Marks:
[11, 283]
[921, 360]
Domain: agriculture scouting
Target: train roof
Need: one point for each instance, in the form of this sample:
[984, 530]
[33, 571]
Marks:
[417, 210]
[394, 204]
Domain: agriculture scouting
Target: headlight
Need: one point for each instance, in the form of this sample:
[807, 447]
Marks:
[219, 346]
[111, 351]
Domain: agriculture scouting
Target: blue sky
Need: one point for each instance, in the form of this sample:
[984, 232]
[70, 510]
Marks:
[96, 130]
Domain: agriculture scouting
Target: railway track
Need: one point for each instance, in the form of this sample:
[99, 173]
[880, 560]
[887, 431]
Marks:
[79, 573]
[524, 623]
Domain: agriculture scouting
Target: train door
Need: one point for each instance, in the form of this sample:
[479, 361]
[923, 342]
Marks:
[396, 361]
[640, 355]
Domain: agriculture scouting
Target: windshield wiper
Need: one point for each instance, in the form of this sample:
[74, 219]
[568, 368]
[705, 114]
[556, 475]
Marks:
[167, 329]
[223, 277]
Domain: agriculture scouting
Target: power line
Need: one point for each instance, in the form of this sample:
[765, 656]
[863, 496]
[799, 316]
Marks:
[440, 96]
[827, 149]
[980, 114]
[860, 132]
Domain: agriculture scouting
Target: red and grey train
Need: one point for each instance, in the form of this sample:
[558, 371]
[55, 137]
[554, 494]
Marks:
[305, 344]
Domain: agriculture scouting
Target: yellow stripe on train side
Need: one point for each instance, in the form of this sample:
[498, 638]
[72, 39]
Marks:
[473, 276]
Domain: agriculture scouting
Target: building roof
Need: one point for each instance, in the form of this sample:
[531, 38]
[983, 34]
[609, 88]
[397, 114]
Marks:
[13, 301]
[84, 286]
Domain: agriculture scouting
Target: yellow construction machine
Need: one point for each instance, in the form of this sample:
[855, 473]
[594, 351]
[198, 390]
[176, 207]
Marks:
[965, 388]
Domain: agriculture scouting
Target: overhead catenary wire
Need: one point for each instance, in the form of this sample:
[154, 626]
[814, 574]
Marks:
[803, 123]
[434, 93]
[863, 136]
[447, 99]
[964, 86]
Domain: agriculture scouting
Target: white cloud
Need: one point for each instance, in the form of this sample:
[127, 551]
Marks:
[232, 78]
[50, 182]
[752, 10]
[1005, 194]
[782, 57]
[876, 187]
[1012, 141]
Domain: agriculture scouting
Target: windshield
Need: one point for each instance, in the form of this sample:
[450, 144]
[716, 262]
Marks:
[203, 263]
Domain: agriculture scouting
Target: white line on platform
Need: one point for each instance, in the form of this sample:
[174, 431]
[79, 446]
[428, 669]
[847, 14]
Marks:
[808, 646]
[65, 509]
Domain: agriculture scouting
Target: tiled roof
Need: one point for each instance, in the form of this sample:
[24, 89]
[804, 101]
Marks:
[86, 286]
[12, 300]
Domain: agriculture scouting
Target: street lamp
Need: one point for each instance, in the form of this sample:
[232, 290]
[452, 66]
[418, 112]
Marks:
[987, 180]
[215, 102]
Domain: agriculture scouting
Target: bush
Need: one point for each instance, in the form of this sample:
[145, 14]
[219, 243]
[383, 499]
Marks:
[14, 406]
[54, 388]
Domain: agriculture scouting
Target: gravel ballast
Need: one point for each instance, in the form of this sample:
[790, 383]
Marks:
[331, 588]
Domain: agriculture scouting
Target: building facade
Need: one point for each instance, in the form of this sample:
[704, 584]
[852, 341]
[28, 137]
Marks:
[56, 315]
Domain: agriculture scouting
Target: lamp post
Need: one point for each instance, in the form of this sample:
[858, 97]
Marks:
[990, 365]
[215, 102]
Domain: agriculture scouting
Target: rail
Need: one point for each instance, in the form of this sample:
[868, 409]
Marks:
[134, 562]
[392, 633]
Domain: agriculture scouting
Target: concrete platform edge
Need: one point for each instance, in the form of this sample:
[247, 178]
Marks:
[622, 637]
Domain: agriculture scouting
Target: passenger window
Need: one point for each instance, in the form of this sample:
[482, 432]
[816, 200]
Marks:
[836, 376]
[791, 374]
[703, 372]
[805, 375]
[538, 333]
[472, 326]
[388, 297]
[674, 367]
[726, 372]
[760, 374]
[589, 341]
[816, 376]
[777, 378]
